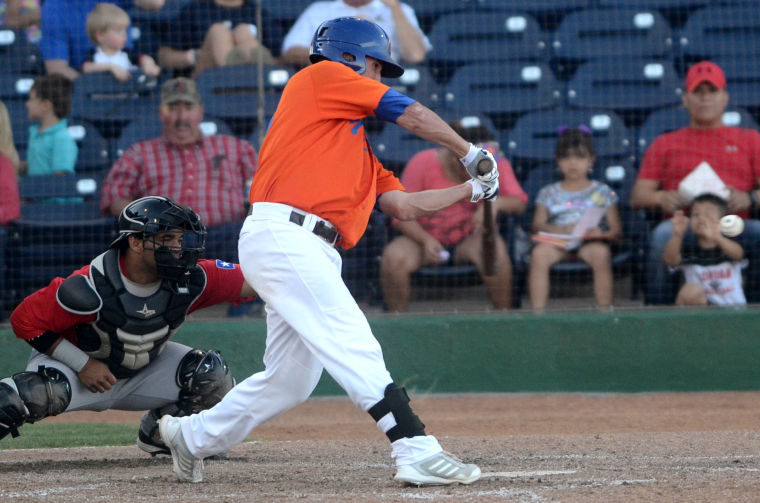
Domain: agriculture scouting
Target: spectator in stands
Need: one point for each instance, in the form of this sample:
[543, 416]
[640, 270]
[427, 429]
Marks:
[560, 206]
[107, 27]
[210, 174]
[65, 44]
[9, 199]
[452, 235]
[7, 145]
[711, 263]
[51, 149]
[408, 42]
[734, 155]
[22, 15]
[212, 33]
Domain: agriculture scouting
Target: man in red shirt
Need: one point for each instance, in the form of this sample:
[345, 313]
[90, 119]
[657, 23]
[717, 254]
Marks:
[101, 337]
[734, 155]
[452, 235]
[317, 183]
[211, 174]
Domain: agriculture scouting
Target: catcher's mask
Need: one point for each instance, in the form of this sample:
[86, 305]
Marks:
[349, 40]
[154, 216]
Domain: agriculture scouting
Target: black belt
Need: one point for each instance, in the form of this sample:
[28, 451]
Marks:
[323, 229]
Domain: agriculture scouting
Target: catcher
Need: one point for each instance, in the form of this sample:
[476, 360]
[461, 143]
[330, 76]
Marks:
[100, 337]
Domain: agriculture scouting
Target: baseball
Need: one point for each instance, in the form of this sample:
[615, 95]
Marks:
[731, 225]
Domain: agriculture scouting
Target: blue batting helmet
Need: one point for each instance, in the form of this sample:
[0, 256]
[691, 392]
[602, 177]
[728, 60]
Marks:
[349, 40]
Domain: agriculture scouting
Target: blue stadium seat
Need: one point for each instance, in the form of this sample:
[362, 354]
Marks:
[231, 93]
[742, 79]
[533, 139]
[595, 33]
[504, 92]
[109, 104]
[361, 264]
[488, 37]
[17, 54]
[15, 86]
[55, 238]
[719, 31]
[669, 119]
[632, 87]
[417, 82]
[94, 150]
[428, 12]
[150, 126]
[394, 146]
[548, 13]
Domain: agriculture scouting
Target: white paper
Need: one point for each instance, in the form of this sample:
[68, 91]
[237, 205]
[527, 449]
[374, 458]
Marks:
[590, 219]
[701, 180]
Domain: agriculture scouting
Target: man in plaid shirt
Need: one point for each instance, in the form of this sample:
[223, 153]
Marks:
[211, 174]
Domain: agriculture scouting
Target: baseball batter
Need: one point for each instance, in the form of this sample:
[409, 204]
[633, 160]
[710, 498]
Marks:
[101, 336]
[317, 183]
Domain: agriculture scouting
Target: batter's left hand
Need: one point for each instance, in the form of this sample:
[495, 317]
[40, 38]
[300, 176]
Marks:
[96, 376]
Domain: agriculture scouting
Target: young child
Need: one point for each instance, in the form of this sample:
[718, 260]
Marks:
[560, 205]
[712, 264]
[51, 149]
[107, 28]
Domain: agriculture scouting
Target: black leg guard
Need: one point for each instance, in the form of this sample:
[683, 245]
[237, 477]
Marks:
[396, 402]
[27, 397]
[204, 378]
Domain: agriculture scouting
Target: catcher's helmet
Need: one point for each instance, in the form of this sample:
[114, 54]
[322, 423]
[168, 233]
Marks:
[150, 215]
[349, 40]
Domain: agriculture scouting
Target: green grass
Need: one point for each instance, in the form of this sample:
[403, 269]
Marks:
[44, 436]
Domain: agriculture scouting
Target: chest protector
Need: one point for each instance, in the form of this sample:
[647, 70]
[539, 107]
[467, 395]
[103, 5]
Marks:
[130, 331]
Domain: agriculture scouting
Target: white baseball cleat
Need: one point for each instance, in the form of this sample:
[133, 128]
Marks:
[187, 467]
[438, 470]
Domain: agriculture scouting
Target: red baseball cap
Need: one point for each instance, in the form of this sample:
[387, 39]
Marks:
[705, 71]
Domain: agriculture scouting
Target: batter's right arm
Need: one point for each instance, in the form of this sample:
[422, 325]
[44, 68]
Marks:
[420, 120]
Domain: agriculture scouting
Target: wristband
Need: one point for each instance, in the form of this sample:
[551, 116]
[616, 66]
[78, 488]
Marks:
[470, 156]
[71, 355]
[753, 199]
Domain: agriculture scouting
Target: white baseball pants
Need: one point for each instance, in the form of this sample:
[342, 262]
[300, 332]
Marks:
[313, 322]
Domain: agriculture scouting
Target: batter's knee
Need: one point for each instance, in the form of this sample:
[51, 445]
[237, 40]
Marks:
[394, 415]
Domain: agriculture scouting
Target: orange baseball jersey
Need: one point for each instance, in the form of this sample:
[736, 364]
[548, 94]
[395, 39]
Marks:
[316, 156]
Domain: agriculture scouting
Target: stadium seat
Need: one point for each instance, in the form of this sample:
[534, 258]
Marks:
[54, 238]
[15, 86]
[719, 31]
[595, 33]
[109, 104]
[533, 139]
[428, 12]
[503, 95]
[669, 119]
[394, 146]
[487, 37]
[548, 13]
[94, 150]
[743, 80]
[150, 126]
[231, 93]
[417, 82]
[632, 87]
[17, 55]
[361, 264]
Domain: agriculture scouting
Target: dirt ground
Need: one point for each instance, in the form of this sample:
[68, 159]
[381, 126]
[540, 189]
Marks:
[674, 447]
